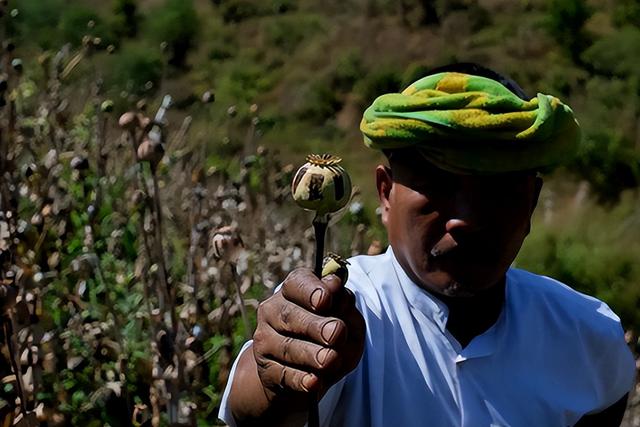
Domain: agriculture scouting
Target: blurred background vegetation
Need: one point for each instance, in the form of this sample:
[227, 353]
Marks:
[257, 85]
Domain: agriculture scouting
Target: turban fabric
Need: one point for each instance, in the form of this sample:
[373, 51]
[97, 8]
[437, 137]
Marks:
[472, 125]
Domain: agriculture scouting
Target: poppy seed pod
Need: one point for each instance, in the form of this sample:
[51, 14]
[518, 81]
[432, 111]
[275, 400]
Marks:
[321, 184]
[79, 163]
[335, 264]
[145, 122]
[150, 151]
[208, 97]
[227, 244]
[107, 106]
[17, 64]
[129, 121]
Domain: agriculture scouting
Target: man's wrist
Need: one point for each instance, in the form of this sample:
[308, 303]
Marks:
[252, 405]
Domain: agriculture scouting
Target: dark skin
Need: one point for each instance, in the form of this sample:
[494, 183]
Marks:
[454, 235]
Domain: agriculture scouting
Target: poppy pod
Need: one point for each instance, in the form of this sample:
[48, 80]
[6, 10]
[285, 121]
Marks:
[149, 151]
[321, 184]
[335, 264]
[144, 121]
[107, 106]
[227, 244]
[129, 121]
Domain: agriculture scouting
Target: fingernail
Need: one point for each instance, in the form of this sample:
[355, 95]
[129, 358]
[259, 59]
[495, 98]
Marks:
[328, 330]
[308, 381]
[321, 356]
[315, 298]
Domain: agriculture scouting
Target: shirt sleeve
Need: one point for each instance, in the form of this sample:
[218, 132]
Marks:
[328, 403]
[326, 406]
[225, 411]
[615, 365]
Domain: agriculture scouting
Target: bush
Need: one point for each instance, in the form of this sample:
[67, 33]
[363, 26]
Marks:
[133, 68]
[381, 81]
[626, 12]
[287, 32]
[175, 23]
[349, 69]
[593, 249]
[126, 18]
[74, 25]
[234, 11]
[616, 54]
[610, 163]
[321, 102]
[37, 22]
[565, 23]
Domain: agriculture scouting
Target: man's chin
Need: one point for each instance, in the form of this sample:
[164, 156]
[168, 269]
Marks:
[443, 283]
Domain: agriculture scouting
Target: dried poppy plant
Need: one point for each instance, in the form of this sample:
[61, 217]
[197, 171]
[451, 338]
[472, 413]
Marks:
[323, 186]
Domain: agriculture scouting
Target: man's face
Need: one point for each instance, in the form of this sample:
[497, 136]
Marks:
[454, 234]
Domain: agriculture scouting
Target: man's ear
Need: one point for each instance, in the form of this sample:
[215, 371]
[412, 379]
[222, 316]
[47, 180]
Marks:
[384, 182]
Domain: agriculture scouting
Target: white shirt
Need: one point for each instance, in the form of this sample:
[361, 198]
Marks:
[553, 356]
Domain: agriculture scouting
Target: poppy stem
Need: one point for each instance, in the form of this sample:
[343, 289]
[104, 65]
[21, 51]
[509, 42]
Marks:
[320, 223]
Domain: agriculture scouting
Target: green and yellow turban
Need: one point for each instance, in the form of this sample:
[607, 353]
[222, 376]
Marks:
[472, 125]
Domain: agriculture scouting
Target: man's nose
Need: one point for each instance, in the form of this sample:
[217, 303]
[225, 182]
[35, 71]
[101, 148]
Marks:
[460, 228]
[465, 212]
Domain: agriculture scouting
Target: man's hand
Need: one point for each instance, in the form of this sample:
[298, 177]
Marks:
[309, 336]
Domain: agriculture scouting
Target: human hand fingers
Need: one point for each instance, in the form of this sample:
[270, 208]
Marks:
[289, 319]
[278, 378]
[303, 288]
[296, 352]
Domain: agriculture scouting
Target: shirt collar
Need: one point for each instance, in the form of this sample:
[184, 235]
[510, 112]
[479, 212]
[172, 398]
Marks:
[438, 312]
[418, 298]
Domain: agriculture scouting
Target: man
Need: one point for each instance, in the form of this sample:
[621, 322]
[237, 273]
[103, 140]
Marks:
[439, 330]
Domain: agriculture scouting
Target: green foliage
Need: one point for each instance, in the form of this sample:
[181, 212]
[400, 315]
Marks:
[413, 73]
[593, 249]
[37, 21]
[76, 22]
[565, 23]
[626, 12]
[609, 162]
[288, 31]
[133, 68]
[321, 102]
[235, 11]
[175, 23]
[125, 17]
[616, 53]
[349, 69]
[377, 82]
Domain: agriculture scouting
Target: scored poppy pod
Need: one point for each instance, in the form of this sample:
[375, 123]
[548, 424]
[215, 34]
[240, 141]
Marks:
[227, 244]
[335, 264]
[151, 152]
[321, 184]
